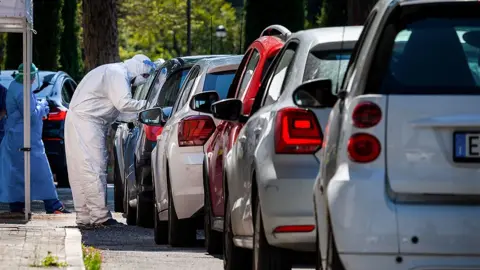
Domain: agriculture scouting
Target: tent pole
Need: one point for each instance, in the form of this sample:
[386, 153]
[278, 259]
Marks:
[26, 114]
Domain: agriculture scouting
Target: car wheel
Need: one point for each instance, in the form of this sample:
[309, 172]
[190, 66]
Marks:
[213, 238]
[181, 233]
[265, 256]
[234, 258]
[117, 188]
[144, 210]
[160, 228]
[62, 178]
[333, 259]
[130, 212]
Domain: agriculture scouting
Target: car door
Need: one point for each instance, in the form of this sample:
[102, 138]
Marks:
[164, 141]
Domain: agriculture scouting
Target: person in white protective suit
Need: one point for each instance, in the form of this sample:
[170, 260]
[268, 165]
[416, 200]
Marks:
[103, 96]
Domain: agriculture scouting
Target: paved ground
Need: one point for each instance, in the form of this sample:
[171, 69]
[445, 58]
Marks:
[130, 247]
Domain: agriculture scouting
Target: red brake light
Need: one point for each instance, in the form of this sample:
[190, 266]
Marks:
[151, 132]
[366, 115]
[195, 130]
[57, 114]
[297, 132]
[294, 229]
[363, 148]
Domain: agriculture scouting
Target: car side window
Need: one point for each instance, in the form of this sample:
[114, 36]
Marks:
[67, 90]
[258, 102]
[357, 47]
[158, 82]
[276, 82]
[170, 90]
[186, 89]
[248, 74]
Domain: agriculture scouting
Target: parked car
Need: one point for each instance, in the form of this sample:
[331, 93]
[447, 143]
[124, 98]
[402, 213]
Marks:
[398, 185]
[178, 157]
[134, 142]
[57, 88]
[244, 87]
[271, 168]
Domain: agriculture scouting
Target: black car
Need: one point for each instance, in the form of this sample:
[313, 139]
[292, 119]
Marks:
[57, 88]
[134, 143]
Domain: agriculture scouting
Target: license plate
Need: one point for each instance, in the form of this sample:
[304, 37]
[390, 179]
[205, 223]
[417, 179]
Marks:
[466, 146]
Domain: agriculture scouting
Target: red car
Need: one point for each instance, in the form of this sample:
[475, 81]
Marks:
[245, 85]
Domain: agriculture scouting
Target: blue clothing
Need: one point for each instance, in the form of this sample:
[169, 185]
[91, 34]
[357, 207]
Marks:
[11, 167]
[3, 106]
[50, 206]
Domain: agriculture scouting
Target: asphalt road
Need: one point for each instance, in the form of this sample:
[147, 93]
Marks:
[130, 247]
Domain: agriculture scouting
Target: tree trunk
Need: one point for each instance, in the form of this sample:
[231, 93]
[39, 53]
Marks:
[70, 59]
[358, 11]
[100, 36]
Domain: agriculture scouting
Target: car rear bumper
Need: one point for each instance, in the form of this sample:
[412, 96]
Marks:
[365, 222]
[409, 262]
[288, 202]
[187, 183]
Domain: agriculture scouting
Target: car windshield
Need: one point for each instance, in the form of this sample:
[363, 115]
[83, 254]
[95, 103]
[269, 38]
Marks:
[328, 65]
[219, 82]
[6, 79]
[432, 56]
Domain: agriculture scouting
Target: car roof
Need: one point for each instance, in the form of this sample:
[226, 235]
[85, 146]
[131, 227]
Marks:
[383, 3]
[211, 65]
[184, 62]
[328, 34]
[6, 75]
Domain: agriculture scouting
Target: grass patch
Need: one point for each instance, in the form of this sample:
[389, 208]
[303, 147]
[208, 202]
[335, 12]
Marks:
[92, 258]
[50, 261]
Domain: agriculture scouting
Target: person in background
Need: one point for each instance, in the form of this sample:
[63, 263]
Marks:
[12, 172]
[102, 96]
[3, 110]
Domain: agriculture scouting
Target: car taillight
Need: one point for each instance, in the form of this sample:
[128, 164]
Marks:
[363, 148]
[294, 229]
[151, 132]
[297, 132]
[57, 114]
[195, 130]
[366, 115]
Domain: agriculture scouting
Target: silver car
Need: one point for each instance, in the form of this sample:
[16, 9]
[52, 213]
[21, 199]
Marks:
[271, 168]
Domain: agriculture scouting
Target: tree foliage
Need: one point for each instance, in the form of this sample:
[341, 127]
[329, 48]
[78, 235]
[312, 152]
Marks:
[46, 43]
[263, 13]
[158, 28]
[70, 59]
[334, 13]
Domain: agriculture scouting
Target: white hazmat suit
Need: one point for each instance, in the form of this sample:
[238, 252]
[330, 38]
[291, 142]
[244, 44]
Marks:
[101, 97]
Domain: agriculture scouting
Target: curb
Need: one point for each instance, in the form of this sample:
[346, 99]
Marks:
[73, 249]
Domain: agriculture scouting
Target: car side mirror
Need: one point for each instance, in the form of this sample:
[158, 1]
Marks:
[315, 94]
[152, 117]
[228, 109]
[202, 102]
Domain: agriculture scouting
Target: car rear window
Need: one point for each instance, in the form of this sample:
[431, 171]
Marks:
[220, 82]
[436, 51]
[6, 80]
[327, 64]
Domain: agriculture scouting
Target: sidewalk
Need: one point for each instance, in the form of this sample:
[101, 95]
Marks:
[24, 246]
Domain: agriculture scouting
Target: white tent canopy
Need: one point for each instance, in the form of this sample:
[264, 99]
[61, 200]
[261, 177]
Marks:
[16, 16]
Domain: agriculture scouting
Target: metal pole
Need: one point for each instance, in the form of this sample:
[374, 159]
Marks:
[189, 27]
[241, 33]
[27, 36]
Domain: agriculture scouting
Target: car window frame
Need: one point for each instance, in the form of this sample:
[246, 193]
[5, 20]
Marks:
[170, 77]
[239, 93]
[232, 91]
[151, 94]
[262, 91]
[292, 42]
[67, 82]
[192, 75]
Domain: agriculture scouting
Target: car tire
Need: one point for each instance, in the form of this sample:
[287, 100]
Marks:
[130, 212]
[117, 188]
[213, 238]
[265, 256]
[144, 217]
[181, 233]
[160, 228]
[62, 178]
[234, 258]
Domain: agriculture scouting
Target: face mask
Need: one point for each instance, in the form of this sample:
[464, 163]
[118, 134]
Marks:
[139, 80]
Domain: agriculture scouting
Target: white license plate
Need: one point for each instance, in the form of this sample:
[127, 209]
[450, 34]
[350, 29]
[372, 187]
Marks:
[466, 147]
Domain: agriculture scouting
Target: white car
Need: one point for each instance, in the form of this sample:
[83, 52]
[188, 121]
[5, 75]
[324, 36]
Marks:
[177, 170]
[399, 181]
